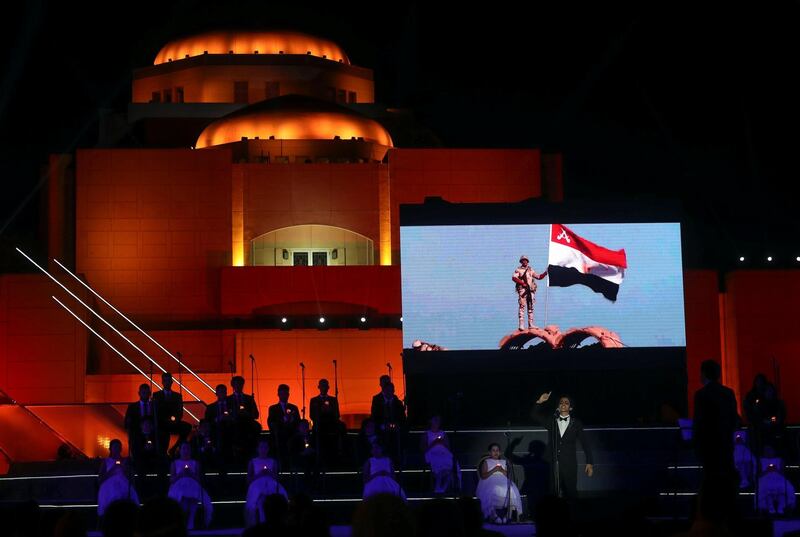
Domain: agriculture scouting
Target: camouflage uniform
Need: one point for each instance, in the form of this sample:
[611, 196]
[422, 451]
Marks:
[526, 298]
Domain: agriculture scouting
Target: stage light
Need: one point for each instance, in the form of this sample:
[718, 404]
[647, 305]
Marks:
[741, 258]
[769, 258]
[322, 320]
[797, 258]
[284, 320]
[401, 319]
[364, 319]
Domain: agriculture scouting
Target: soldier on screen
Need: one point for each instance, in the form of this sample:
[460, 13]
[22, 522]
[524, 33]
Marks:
[525, 279]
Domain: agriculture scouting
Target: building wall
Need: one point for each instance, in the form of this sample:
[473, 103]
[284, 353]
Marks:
[701, 306]
[281, 195]
[42, 348]
[215, 84]
[761, 329]
[153, 227]
[461, 176]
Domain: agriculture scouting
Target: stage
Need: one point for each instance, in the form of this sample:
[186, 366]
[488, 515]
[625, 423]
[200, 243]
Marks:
[624, 386]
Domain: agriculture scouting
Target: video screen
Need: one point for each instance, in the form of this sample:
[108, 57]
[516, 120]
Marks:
[552, 285]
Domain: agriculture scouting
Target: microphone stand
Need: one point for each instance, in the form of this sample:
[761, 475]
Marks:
[508, 480]
[253, 376]
[303, 384]
[554, 452]
[336, 380]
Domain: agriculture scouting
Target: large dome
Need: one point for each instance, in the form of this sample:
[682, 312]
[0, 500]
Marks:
[266, 42]
[293, 118]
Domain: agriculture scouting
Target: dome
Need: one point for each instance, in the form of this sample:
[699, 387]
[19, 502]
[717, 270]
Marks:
[293, 117]
[266, 42]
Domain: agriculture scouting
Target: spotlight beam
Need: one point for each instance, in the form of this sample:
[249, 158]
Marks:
[85, 305]
[145, 334]
[110, 346]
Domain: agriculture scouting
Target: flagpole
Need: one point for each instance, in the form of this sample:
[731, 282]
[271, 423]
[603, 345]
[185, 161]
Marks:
[547, 288]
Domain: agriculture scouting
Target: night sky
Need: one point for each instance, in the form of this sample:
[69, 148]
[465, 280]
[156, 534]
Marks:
[698, 105]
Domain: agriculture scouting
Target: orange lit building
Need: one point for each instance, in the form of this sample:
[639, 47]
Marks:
[266, 184]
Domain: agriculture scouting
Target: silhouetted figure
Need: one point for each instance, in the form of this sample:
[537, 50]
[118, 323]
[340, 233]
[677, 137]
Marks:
[120, 519]
[565, 431]
[169, 412]
[221, 420]
[161, 517]
[389, 415]
[383, 515]
[276, 513]
[715, 422]
[773, 421]
[283, 419]
[204, 447]
[537, 471]
[136, 413]
[328, 430]
[367, 436]
[246, 427]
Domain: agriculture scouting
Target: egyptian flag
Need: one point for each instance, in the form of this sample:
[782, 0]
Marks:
[574, 260]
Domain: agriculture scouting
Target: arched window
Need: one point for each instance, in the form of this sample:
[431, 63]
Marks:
[311, 244]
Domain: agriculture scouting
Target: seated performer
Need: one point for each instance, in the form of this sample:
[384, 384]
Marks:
[379, 475]
[262, 478]
[499, 496]
[185, 487]
[743, 459]
[169, 413]
[436, 448]
[115, 479]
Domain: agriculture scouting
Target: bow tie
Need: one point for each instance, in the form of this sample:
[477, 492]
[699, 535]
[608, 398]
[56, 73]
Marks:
[563, 419]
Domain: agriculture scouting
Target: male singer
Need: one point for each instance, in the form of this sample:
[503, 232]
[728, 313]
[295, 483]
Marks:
[565, 431]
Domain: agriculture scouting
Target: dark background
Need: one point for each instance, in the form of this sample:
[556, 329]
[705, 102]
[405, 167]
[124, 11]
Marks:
[695, 103]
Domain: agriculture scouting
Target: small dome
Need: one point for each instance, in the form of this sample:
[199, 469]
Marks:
[293, 117]
[267, 42]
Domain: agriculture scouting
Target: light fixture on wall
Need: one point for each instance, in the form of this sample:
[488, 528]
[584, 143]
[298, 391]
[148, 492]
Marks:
[335, 253]
[285, 254]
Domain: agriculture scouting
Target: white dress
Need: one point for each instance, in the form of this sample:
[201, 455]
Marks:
[382, 484]
[190, 489]
[441, 461]
[493, 490]
[775, 494]
[115, 487]
[262, 486]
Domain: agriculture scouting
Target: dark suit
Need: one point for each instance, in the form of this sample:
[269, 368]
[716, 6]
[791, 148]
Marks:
[328, 430]
[169, 410]
[715, 422]
[134, 415]
[221, 426]
[562, 451]
[283, 424]
[386, 413]
[390, 421]
[244, 413]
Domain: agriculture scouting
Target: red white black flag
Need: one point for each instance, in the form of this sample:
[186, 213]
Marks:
[574, 260]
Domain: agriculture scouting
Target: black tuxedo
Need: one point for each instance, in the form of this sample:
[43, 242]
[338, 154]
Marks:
[242, 406]
[563, 450]
[325, 416]
[384, 413]
[220, 418]
[134, 415]
[715, 421]
[169, 411]
[283, 426]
